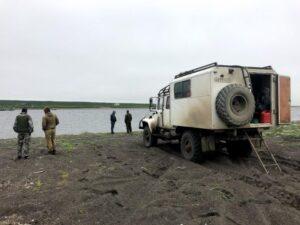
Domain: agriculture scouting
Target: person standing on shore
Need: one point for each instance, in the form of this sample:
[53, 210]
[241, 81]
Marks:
[49, 123]
[113, 120]
[24, 127]
[128, 119]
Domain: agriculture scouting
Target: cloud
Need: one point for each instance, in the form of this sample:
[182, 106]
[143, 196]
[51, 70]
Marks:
[127, 50]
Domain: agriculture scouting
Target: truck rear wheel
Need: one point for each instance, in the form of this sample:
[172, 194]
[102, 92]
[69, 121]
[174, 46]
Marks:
[241, 148]
[191, 146]
[148, 138]
[235, 105]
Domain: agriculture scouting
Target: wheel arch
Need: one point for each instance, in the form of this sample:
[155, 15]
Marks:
[147, 123]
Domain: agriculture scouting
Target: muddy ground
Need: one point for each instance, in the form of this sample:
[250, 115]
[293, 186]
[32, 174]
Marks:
[111, 180]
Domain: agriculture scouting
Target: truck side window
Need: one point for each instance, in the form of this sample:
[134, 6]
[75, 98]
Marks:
[182, 89]
[168, 103]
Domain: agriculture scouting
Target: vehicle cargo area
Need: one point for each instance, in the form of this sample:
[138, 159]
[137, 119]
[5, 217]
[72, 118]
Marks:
[261, 88]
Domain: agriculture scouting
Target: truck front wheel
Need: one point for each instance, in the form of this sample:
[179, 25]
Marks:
[191, 146]
[148, 138]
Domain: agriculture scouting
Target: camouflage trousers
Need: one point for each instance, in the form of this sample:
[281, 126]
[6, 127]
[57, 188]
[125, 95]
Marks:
[50, 139]
[23, 144]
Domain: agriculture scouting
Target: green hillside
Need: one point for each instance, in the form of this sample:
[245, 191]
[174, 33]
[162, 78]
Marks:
[11, 105]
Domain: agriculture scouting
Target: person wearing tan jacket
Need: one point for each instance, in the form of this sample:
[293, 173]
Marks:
[50, 121]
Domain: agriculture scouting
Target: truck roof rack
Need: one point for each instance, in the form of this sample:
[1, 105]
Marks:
[196, 70]
[164, 91]
[216, 64]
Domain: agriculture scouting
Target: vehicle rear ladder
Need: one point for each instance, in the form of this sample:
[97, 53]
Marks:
[247, 80]
[263, 152]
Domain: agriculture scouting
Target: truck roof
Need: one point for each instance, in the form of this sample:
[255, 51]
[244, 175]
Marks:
[251, 69]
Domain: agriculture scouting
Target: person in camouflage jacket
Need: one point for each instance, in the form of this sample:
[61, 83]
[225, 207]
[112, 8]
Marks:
[24, 127]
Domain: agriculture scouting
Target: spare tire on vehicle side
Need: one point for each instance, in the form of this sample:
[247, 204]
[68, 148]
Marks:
[235, 105]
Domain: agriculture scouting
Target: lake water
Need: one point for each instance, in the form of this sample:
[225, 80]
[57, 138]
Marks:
[296, 113]
[77, 121]
[73, 121]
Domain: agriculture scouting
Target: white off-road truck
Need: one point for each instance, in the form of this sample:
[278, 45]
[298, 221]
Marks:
[217, 105]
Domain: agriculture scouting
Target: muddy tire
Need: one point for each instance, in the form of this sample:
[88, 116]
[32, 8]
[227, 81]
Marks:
[190, 146]
[235, 105]
[148, 139]
[240, 148]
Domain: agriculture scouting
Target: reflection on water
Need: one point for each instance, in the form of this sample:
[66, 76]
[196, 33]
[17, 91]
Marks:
[73, 121]
[76, 121]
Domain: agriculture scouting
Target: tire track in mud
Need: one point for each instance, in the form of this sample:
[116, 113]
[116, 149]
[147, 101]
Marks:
[271, 188]
[285, 197]
[294, 164]
[290, 163]
[158, 168]
[105, 185]
[153, 170]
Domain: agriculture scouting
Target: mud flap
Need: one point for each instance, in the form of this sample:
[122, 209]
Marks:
[208, 143]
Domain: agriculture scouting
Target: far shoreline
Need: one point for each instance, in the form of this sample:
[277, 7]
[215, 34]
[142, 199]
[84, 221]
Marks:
[16, 109]
[10, 105]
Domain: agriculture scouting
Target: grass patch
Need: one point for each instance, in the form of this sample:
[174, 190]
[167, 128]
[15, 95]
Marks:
[38, 185]
[64, 177]
[285, 131]
[67, 146]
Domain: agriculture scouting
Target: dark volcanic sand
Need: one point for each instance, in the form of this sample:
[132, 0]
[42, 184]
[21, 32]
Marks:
[110, 180]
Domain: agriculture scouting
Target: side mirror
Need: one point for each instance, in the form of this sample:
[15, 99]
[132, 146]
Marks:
[152, 106]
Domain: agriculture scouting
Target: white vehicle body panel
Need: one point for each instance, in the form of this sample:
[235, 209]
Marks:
[199, 110]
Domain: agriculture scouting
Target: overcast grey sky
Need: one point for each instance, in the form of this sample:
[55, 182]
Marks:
[125, 51]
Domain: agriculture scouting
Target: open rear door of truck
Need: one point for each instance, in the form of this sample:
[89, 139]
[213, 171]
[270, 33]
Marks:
[284, 100]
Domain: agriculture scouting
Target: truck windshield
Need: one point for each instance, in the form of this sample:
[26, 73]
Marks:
[153, 103]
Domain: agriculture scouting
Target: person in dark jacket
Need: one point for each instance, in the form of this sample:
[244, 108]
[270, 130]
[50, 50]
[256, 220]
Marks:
[24, 127]
[113, 120]
[264, 100]
[128, 119]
